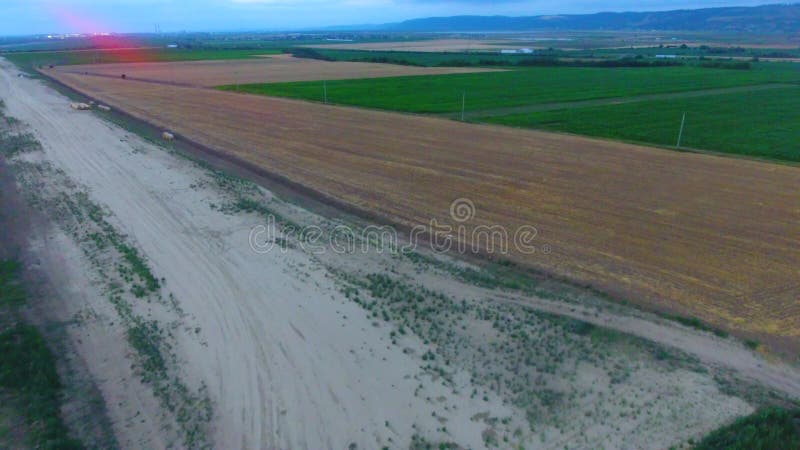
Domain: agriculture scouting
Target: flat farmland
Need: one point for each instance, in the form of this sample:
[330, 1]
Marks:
[431, 45]
[697, 235]
[272, 69]
[521, 87]
[759, 123]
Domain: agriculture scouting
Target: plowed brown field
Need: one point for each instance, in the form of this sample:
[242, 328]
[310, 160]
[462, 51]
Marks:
[272, 69]
[706, 236]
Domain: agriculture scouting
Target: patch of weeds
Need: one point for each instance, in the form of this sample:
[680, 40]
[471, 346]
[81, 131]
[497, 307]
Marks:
[12, 293]
[420, 443]
[28, 378]
[752, 344]
[28, 375]
[145, 338]
[420, 259]
[770, 428]
[503, 274]
[694, 322]
[139, 267]
[248, 205]
[13, 144]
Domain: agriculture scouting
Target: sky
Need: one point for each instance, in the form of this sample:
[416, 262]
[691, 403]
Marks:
[24, 17]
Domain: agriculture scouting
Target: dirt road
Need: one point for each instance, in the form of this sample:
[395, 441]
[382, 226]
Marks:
[287, 360]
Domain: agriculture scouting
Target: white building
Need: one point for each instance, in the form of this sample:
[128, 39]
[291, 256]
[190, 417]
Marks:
[525, 51]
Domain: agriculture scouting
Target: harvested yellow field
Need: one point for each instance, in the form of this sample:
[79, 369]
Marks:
[271, 69]
[700, 235]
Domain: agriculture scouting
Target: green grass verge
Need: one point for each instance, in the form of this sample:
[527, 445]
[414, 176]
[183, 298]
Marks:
[442, 93]
[759, 123]
[768, 429]
[28, 378]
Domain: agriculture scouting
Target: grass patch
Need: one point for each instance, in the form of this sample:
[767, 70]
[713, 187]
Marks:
[30, 60]
[768, 429]
[28, 377]
[12, 293]
[694, 322]
[759, 123]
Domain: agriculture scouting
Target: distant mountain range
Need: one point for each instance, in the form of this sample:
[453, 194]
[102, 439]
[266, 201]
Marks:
[783, 18]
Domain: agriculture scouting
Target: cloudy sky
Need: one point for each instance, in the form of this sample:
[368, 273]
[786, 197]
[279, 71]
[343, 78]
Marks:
[62, 16]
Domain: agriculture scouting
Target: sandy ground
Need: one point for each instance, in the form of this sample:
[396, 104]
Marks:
[290, 361]
[287, 360]
[272, 69]
[697, 235]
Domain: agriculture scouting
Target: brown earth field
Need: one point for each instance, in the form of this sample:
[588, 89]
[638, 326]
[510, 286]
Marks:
[698, 235]
[268, 69]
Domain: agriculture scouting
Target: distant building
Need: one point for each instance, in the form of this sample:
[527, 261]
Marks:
[525, 51]
[666, 56]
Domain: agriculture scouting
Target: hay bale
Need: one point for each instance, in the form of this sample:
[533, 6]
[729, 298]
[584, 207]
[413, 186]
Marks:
[80, 106]
[104, 108]
[167, 136]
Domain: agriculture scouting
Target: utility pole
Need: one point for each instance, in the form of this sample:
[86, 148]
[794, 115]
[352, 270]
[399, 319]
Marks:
[463, 104]
[680, 133]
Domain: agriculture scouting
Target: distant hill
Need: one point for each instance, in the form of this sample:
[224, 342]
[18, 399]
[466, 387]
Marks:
[757, 19]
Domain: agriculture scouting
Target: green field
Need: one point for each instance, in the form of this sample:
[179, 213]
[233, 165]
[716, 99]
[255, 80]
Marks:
[63, 58]
[761, 124]
[443, 93]
[417, 58]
